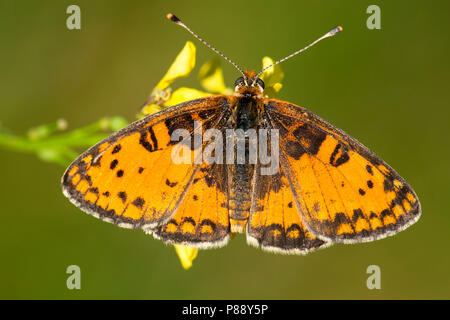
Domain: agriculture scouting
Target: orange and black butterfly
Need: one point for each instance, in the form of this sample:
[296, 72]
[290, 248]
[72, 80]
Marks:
[328, 188]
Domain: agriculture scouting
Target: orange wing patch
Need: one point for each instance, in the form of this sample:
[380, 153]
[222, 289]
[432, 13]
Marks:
[202, 220]
[129, 178]
[275, 223]
[343, 191]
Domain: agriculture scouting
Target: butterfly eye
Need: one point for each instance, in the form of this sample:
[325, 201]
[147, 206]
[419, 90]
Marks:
[239, 81]
[260, 83]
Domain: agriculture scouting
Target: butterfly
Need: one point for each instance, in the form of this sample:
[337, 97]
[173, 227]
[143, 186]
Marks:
[328, 188]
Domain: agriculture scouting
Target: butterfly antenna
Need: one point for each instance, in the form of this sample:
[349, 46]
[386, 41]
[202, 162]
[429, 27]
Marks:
[330, 33]
[176, 20]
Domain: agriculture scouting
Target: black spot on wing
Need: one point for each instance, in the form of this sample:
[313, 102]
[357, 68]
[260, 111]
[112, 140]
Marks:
[138, 202]
[209, 179]
[339, 155]
[93, 190]
[116, 149]
[148, 140]
[113, 164]
[171, 184]
[123, 196]
[294, 149]
[309, 137]
[357, 214]
[186, 122]
[386, 212]
[188, 220]
[208, 222]
[340, 218]
[332, 226]
[88, 179]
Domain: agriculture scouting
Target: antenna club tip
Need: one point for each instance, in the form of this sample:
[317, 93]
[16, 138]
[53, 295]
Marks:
[334, 31]
[172, 17]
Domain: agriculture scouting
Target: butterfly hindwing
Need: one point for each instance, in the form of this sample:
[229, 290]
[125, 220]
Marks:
[343, 191]
[275, 224]
[202, 220]
[129, 178]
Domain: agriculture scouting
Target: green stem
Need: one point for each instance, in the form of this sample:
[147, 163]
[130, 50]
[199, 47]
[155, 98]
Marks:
[25, 145]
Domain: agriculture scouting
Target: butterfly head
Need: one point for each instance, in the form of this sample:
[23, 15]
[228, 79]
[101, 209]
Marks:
[249, 85]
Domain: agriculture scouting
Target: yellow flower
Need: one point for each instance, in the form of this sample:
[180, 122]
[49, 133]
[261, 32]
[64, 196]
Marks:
[186, 255]
[184, 94]
[272, 77]
[181, 67]
[151, 108]
[211, 77]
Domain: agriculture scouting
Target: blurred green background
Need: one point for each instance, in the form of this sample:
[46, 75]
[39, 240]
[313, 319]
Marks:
[388, 88]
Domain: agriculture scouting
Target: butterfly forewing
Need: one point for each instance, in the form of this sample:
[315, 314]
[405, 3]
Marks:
[130, 178]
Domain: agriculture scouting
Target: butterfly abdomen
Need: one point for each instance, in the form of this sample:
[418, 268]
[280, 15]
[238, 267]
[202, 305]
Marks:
[241, 171]
[240, 195]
